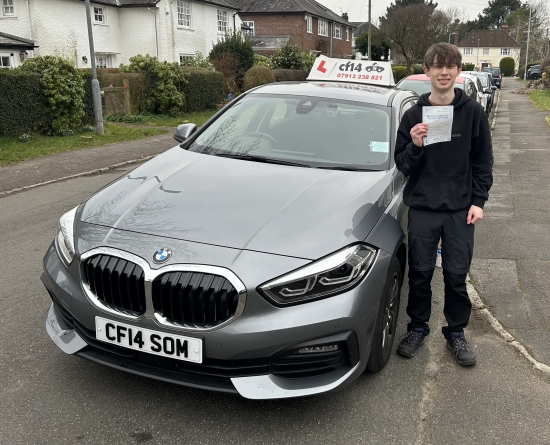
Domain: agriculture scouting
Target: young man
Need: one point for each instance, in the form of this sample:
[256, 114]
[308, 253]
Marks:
[448, 185]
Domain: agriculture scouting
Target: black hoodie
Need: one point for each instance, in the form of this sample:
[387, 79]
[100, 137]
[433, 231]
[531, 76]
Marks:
[447, 176]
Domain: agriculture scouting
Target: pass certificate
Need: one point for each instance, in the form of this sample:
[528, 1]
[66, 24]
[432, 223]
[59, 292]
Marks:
[440, 124]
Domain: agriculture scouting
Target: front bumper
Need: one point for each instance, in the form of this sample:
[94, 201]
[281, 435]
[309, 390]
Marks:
[242, 357]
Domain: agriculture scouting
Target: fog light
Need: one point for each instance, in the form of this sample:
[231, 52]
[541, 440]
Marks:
[316, 349]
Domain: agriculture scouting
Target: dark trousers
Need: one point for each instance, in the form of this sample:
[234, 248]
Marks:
[425, 230]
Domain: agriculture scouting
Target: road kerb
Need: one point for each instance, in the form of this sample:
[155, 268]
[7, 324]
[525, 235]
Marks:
[477, 302]
[78, 175]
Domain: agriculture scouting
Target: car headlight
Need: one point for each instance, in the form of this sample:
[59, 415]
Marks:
[331, 275]
[64, 241]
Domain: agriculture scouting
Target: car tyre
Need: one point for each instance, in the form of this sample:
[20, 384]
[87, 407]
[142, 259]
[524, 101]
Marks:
[534, 77]
[386, 320]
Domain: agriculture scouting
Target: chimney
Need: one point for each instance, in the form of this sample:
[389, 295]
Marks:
[345, 16]
[457, 34]
[504, 27]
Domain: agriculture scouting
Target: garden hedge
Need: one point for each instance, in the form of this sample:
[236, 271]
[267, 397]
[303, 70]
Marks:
[89, 118]
[204, 89]
[400, 71]
[284, 75]
[24, 107]
[256, 76]
[507, 65]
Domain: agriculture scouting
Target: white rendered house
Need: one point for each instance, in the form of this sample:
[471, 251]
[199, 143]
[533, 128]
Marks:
[168, 29]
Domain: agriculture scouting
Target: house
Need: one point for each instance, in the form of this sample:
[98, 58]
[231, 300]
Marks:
[310, 25]
[360, 28]
[169, 29]
[485, 47]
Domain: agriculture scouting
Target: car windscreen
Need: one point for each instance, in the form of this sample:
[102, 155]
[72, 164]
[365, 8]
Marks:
[311, 131]
[420, 86]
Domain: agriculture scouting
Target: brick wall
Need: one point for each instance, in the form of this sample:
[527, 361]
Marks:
[295, 26]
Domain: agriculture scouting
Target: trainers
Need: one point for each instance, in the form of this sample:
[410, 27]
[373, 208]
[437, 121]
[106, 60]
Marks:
[411, 342]
[464, 355]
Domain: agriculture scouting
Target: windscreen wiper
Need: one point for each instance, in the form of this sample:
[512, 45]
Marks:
[348, 168]
[260, 159]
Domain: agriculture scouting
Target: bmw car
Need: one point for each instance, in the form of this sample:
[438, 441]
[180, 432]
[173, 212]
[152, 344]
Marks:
[262, 256]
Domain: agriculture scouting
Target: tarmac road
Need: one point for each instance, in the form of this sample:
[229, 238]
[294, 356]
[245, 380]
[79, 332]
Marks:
[47, 397]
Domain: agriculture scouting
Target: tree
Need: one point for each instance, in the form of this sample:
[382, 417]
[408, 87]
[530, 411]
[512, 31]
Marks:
[238, 47]
[496, 11]
[380, 44]
[403, 3]
[413, 29]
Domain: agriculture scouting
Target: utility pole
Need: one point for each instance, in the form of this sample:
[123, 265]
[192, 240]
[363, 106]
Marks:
[527, 51]
[369, 31]
[96, 91]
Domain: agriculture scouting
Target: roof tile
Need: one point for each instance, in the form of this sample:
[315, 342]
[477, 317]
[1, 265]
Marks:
[488, 38]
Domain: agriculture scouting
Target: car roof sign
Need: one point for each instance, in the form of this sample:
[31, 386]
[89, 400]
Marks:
[351, 70]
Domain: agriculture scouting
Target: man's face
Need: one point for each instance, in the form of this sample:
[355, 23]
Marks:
[442, 76]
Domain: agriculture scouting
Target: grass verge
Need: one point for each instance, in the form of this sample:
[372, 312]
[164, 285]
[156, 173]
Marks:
[541, 100]
[12, 149]
[198, 118]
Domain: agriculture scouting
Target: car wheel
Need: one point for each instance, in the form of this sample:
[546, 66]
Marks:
[386, 320]
[534, 77]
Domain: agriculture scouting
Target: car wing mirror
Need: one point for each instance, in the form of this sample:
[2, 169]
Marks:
[494, 87]
[184, 131]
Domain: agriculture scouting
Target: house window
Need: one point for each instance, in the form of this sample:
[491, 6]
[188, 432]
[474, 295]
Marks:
[103, 61]
[250, 31]
[347, 34]
[8, 9]
[185, 57]
[309, 21]
[99, 15]
[322, 29]
[5, 61]
[337, 31]
[468, 51]
[485, 51]
[222, 21]
[505, 51]
[184, 14]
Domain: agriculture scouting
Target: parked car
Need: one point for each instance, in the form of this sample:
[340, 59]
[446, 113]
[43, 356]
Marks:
[481, 98]
[497, 75]
[420, 84]
[534, 72]
[263, 256]
[489, 88]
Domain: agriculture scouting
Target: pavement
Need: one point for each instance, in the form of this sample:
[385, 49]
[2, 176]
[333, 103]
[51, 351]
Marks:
[511, 266]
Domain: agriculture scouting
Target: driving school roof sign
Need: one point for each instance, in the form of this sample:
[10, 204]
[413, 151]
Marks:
[358, 71]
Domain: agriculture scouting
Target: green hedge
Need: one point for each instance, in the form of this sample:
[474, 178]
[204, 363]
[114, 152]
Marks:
[284, 75]
[89, 118]
[204, 89]
[507, 65]
[24, 107]
[400, 71]
[256, 76]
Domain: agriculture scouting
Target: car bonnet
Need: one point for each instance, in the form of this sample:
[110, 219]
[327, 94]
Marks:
[285, 210]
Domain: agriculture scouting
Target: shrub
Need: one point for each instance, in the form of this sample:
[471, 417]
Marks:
[258, 75]
[282, 75]
[164, 83]
[198, 60]
[260, 60]
[88, 99]
[288, 57]
[400, 71]
[507, 65]
[63, 87]
[228, 65]
[239, 47]
[468, 66]
[24, 107]
[204, 89]
[309, 60]
[417, 69]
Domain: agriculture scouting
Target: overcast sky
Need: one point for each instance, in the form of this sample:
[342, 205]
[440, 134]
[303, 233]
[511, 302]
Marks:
[358, 9]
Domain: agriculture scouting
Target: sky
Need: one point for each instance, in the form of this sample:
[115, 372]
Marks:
[358, 9]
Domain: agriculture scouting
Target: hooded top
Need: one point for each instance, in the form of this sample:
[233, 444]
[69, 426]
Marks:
[447, 176]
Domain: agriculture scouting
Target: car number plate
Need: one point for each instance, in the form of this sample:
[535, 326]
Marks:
[146, 340]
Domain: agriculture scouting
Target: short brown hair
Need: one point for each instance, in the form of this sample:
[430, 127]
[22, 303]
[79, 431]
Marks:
[445, 53]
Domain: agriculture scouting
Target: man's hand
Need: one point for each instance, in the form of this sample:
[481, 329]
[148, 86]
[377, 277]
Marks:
[418, 133]
[474, 214]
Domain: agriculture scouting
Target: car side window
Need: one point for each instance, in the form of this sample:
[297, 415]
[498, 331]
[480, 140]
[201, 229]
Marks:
[470, 90]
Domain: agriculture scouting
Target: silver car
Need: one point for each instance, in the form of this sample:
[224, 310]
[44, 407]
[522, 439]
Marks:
[263, 256]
